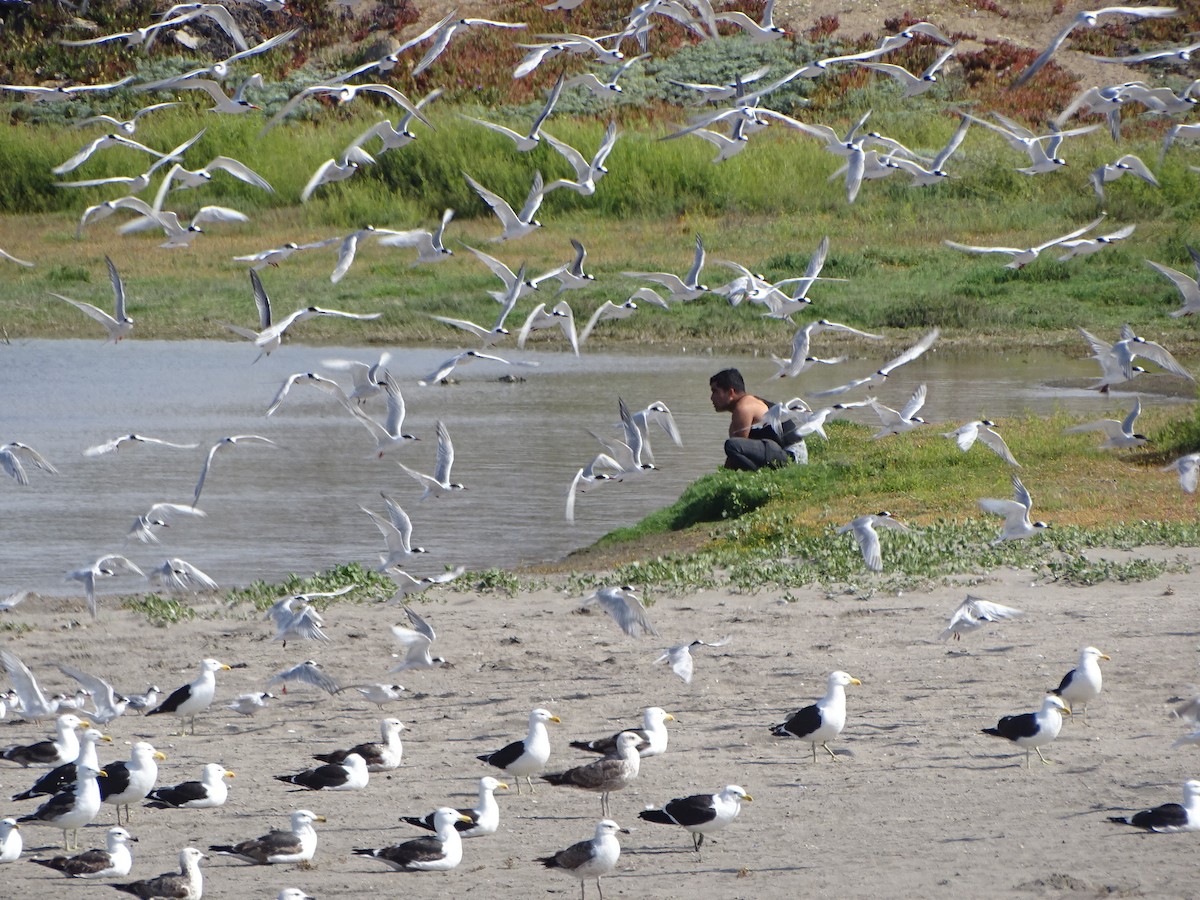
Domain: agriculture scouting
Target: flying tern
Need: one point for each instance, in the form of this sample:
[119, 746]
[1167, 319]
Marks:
[439, 482]
[1017, 524]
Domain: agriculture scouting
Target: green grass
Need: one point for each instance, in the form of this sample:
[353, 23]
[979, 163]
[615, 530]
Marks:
[159, 611]
[778, 528]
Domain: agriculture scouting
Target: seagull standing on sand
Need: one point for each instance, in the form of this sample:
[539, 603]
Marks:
[195, 697]
[383, 756]
[348, 775]
[1082, 684]
[482, 820]
[525, 757]
[590, 859]
[114, 861]
[1030, 731]
[11, 843]
[612, 773]
[700, 813]
[209, 792]
[439, 853]
[652, 736]
[74, 808]
[188, 884]
[296, 846]
[824, 720]
[61, 750]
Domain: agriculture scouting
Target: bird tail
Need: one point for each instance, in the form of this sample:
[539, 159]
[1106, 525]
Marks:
[56, 863]
[780, 730]
[549, 862]
[486, 757]
[364, 851]
[289, 779]
[657, 816]
[1120, 820]
[418, 821]
[221, 848]
[589, 746]
[994, 732]
[555, 778]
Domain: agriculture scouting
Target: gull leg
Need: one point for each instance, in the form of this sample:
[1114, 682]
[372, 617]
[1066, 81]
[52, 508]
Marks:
[599, 889]
[529, 781]
[832, 755]
[814, 751]
[1045, 761]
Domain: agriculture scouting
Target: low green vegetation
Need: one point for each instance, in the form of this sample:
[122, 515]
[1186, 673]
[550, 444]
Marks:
[159, 611]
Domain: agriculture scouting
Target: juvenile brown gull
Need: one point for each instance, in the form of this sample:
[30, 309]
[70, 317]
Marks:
[590, 859]
[604, 775]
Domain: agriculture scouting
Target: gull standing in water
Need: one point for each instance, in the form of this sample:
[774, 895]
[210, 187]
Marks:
[119, 325]
[1016, 514]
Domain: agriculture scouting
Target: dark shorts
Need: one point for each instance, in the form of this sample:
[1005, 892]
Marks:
[750, 455]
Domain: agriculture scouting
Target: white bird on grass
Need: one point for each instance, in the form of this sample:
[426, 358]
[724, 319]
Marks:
[1188, 287]
[531, 139]
[1117, 435]
[681, 289]
[1188, 468]
[972, 614]
[516, 225]
[429, 244]
[119, 325]
[863, 529]
[1023, 256]
[1016, 514]
[984, 431]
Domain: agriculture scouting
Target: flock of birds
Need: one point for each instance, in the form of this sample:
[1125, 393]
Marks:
[78, 785]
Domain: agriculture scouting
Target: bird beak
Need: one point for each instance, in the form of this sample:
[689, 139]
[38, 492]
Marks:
[225, 668]
[85, 724]
[102, 772]
[555, 719]
[463, 818]
[855, 681]
[668, 718]
[1066, 711]
[132, 838]
[503, 785]
[230, 775]
[158, 754]
[105, 737]
[320, 819]
[1105, 656]
[747, 799]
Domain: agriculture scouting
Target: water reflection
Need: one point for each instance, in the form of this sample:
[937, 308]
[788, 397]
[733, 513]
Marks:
[295, 508]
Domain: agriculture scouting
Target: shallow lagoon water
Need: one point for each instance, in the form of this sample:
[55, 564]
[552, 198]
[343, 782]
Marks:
[295, 507]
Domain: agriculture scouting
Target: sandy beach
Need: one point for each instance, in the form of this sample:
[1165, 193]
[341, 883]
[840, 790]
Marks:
[918, 804]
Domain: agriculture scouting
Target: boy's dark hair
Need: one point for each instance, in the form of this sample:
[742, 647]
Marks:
[728, 378]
